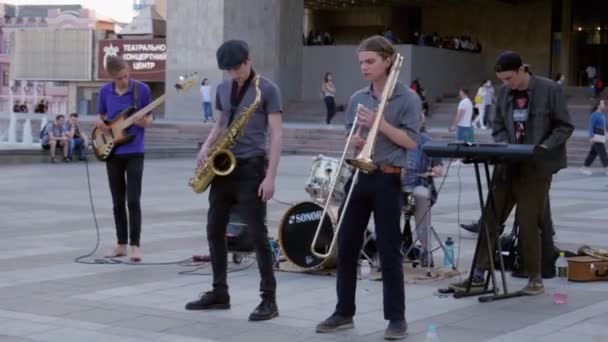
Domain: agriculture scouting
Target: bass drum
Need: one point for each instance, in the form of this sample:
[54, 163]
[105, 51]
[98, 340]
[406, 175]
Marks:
[297, 230]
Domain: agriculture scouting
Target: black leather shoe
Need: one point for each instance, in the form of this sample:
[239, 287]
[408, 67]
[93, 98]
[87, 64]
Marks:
[265, 311]
[210, 300]
[335, 322]
[396, 330]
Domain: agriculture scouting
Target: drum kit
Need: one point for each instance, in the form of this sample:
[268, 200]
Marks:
[300, 223]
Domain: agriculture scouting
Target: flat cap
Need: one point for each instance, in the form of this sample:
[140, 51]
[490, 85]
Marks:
[232, 53]
[508, 61]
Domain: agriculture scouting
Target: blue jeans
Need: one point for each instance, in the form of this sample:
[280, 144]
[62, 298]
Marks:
[464, 134]
[78, 145]
[207, 111]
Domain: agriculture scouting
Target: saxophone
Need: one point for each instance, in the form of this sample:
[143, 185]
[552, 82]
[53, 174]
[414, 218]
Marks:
[221, 161]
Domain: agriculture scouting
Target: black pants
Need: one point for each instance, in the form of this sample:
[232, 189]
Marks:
[530, 216]
[379, 193]
[241, 186]
[330, 104]
[124, 175]
[597, 149]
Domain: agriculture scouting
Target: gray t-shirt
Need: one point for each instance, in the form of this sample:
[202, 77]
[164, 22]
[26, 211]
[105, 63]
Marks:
[403, 110]
[252, 142]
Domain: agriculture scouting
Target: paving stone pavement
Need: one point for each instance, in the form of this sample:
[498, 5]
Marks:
[45, 296]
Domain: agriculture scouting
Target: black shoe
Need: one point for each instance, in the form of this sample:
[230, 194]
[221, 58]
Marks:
[265, 311]
[335, 322]
[210, 300]
[476, 284]
[472, 228]
[396, 330]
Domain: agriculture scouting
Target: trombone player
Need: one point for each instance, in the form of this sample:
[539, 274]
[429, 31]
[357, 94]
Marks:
[377, 191]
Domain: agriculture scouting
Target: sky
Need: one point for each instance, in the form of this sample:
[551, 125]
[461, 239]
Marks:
[120, 10]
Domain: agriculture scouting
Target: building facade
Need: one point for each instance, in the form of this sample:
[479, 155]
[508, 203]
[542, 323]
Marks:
[553, 36]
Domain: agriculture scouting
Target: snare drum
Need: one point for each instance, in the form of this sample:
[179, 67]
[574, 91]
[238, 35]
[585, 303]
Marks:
[323, 170]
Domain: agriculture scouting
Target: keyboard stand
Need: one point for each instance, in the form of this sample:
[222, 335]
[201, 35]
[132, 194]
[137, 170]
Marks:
[483, 235]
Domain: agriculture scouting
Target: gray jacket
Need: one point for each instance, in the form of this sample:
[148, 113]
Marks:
[548, 124]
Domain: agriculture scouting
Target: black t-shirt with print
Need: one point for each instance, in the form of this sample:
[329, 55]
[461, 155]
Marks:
[520, 114]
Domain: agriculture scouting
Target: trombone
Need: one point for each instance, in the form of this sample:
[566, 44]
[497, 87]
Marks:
[362, 162]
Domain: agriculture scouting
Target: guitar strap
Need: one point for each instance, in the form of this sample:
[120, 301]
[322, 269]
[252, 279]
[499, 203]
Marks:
[135, 95]
[132, 109]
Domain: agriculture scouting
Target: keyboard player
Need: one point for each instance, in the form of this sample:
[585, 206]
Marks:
[529, 110]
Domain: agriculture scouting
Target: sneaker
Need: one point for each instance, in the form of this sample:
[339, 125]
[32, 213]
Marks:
[53, 160]
[477, 283]
[471, 228]
[396, 330]
[66, 160]
[586, 171]
[210, 300]
[335, 322]
[265, 311]
[535, 286]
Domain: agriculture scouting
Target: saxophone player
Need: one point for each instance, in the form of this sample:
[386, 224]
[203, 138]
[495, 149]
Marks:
[252, 181]
[378, 191]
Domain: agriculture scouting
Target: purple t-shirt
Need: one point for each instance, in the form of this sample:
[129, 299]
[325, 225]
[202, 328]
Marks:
[112, 104]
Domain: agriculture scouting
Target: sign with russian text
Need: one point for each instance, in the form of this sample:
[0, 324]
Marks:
[146, 57]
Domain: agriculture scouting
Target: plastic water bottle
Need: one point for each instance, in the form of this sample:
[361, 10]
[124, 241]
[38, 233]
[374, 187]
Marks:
[276, 252]
[448, 257]
[431, 334]
[560, 296]
[365, 269]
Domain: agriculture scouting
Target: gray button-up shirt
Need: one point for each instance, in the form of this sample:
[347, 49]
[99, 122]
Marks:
[403, 110]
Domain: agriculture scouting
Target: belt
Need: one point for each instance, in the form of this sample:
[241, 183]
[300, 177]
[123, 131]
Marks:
[389, 169]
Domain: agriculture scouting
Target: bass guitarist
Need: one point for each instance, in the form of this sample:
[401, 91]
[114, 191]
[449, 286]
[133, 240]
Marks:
[126, 164]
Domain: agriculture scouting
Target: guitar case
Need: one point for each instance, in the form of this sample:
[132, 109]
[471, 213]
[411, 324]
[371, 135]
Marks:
[587, 268]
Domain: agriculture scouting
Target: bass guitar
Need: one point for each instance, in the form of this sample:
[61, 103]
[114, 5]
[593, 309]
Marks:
[106, 142]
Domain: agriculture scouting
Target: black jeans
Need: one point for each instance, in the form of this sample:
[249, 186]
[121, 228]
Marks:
[241, 186]
[330, 104]
[379, 193]
[597, 149]
[124, 175]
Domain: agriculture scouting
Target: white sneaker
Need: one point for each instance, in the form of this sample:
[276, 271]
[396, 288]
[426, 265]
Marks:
[586, 171]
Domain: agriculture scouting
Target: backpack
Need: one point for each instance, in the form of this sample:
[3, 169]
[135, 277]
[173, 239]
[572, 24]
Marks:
[44, 131]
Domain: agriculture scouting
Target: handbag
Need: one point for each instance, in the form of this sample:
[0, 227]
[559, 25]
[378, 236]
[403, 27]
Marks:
[599, 135]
